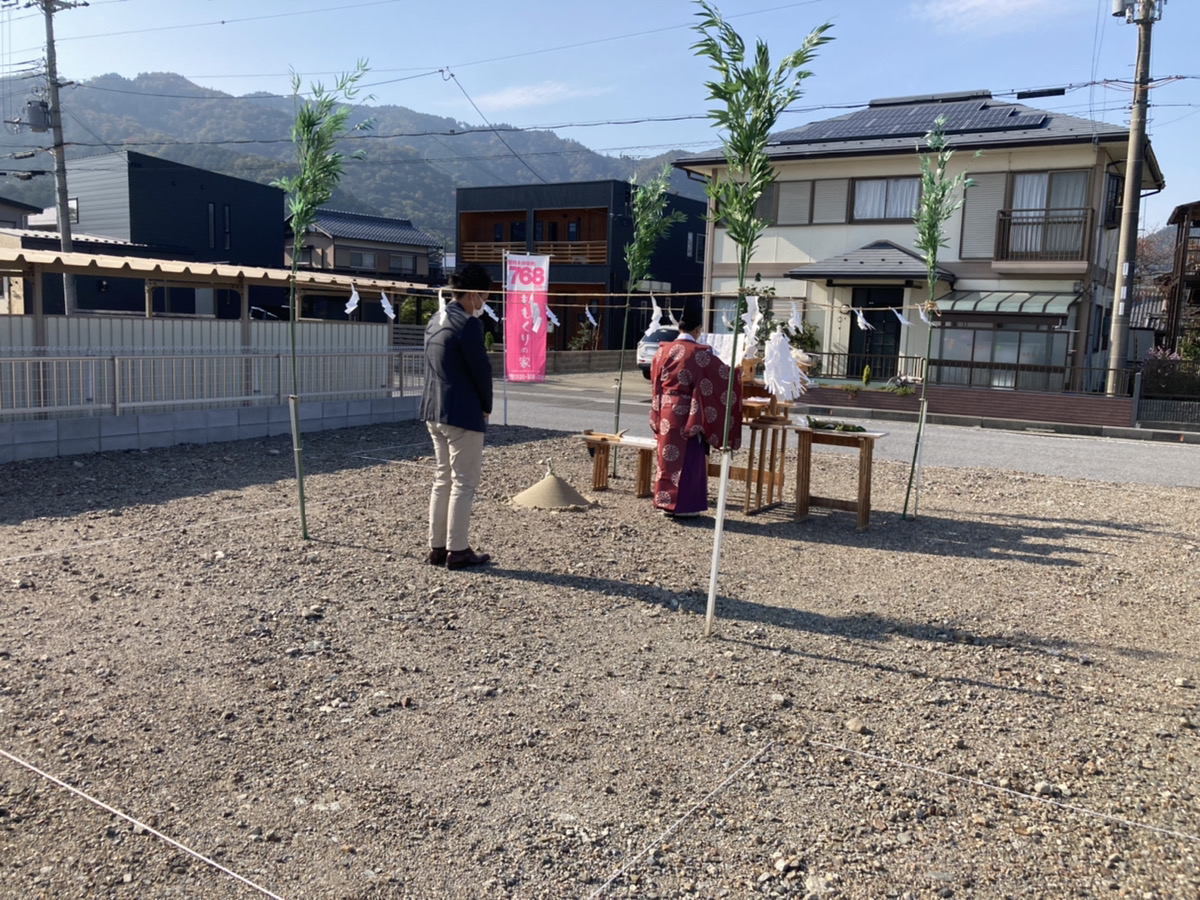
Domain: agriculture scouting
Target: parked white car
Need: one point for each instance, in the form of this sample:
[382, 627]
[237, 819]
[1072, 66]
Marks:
[648, 346]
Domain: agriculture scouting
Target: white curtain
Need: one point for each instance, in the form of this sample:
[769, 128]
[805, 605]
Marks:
[902, 197]
[1064, 236]
[1029, 211]
[870, 198]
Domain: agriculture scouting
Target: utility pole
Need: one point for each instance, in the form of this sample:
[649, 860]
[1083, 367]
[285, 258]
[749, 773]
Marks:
[49, 8]
[1145, 13]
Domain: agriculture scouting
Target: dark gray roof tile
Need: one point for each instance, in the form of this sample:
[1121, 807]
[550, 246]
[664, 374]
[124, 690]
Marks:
[380, 229]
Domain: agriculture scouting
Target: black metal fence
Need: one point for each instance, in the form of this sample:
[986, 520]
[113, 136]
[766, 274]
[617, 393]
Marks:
[1170, 379]
[990, 375]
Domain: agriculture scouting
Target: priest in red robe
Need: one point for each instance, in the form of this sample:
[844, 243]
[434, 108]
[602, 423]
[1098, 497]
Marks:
[687, 411]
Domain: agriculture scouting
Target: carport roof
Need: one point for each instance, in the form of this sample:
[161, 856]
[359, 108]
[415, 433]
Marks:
[20, 261]
[1024, 303]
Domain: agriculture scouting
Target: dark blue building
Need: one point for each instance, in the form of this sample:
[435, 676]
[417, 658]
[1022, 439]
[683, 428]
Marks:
[179, 211]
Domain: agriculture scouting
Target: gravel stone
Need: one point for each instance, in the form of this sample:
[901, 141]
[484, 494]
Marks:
[336, 718]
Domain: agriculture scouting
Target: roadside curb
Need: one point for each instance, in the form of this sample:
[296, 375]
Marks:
[1064, 428]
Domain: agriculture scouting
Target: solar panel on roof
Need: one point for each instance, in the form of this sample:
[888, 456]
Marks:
[916, 121]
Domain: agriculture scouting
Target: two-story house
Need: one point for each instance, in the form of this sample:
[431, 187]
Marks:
[181, 211]
[583, 227]
[1025, 285]
[370, 246]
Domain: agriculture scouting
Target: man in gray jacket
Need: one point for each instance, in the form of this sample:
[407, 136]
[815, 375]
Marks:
[455, 407]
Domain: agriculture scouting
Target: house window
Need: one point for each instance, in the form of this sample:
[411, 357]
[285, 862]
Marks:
[764, 207]
[404, 263]
[701, 240]
[552, 231]
[516, 231]
[1016, 355]
[691, 245]
[361, 259]
[1049, 213]
[885, 199]
[497, 233]
[228, 227]
[306, 254]
[573, 230]
[212, 226]
[539, 228]
[1114, 199]
[795, 203]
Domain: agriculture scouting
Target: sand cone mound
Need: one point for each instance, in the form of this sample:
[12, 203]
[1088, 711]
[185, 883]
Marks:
[552, 493]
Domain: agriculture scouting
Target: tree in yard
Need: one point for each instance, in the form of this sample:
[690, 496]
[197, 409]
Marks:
[941, 195]
[749, 94]
[320, 123]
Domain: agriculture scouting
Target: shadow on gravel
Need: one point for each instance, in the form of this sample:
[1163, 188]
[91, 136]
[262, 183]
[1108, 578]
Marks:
[114, 481]
[867, 628]
[1008, 538]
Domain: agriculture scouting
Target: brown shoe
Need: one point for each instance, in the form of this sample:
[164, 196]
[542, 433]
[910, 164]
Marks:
[460, 559]
[437, 556]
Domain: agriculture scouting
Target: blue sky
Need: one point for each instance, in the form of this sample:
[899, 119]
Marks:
[563, 63]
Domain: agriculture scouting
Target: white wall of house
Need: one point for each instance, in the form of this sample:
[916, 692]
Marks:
[784, 246]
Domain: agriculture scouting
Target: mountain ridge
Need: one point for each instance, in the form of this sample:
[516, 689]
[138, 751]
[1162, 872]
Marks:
[414, 161]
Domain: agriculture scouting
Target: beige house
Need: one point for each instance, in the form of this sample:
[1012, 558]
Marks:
[1025, 285]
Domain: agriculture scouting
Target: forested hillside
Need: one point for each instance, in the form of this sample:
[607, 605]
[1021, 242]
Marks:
[413, 161]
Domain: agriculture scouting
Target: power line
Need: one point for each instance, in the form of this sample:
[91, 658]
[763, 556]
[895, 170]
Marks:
[499, 136]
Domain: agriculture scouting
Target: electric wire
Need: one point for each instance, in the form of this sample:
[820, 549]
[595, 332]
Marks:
[451, 76]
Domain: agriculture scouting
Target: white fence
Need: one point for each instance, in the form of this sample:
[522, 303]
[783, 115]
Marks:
[48, 387]
[111, 334]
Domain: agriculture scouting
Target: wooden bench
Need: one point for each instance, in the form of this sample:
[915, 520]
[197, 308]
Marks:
[601, 445]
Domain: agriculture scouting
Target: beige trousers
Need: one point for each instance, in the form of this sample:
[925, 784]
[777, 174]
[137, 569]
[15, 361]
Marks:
[458, 458]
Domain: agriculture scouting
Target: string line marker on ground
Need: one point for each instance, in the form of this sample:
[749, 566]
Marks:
[137, 824]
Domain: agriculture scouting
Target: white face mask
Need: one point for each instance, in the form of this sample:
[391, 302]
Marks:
[477, 312]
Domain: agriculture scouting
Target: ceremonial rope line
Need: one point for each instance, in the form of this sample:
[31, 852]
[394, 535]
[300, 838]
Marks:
[142, 825]
[1082, 810]
[687, 815]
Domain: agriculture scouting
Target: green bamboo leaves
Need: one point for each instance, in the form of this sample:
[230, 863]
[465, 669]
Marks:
[651, 224]
[941, 196]
[320, 123]
[750, 94]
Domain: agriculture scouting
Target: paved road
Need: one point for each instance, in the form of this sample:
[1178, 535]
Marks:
[573, 403]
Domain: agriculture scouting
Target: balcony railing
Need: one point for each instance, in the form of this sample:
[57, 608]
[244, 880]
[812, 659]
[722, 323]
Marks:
[488, 251]
[1039, 235]
[588, 253]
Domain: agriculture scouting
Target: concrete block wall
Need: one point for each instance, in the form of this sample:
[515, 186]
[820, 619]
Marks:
[143, 431]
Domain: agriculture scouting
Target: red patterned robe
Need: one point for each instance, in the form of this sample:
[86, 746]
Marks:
[687, 410]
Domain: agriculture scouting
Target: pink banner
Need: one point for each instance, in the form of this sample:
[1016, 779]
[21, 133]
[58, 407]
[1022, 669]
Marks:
[525, 319]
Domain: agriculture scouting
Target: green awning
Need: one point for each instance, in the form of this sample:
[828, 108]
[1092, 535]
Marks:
[1011, 303]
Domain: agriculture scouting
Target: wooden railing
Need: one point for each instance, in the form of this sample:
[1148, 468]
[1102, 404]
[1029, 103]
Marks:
[1038, 235]
[488, 251]
[588, 253]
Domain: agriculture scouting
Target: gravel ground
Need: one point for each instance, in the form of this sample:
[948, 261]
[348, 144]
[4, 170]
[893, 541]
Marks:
[996, 700]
